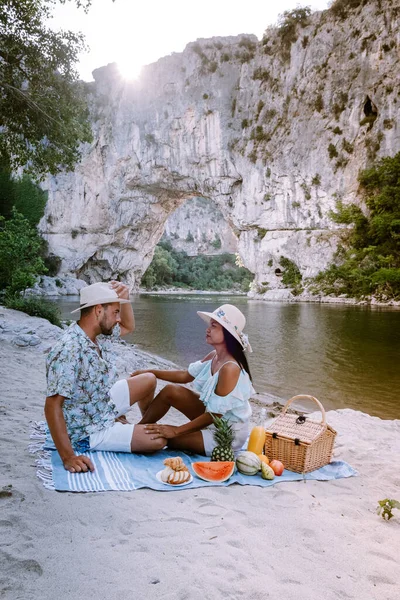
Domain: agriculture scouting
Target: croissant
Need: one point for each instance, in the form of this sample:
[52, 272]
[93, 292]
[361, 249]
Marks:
[178, 477]
[176, 464]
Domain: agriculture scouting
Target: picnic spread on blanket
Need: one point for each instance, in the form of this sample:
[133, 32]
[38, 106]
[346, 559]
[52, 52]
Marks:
[292, 448]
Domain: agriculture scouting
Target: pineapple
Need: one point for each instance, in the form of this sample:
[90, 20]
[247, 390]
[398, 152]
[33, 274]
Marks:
[223, 437]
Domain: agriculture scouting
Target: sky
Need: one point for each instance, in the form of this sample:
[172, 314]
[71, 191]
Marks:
[134, 33]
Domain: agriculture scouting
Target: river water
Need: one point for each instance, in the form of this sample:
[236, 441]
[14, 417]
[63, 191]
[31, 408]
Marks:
[346, 356]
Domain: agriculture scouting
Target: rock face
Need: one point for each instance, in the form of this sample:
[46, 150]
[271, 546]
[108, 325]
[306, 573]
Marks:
[273, 132]
[198, 227]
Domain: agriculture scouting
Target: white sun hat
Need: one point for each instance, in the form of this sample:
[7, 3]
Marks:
[232, 319]
[98, 293]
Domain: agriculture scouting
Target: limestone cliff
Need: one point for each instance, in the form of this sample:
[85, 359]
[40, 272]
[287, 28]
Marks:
[198, 227]
[273, 132]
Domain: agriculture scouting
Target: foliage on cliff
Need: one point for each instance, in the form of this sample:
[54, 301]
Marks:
[43, 113]
[23, 254]
[170, 267]
[369, 262]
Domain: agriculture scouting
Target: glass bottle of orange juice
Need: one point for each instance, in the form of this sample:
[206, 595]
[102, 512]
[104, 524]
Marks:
[257, 435]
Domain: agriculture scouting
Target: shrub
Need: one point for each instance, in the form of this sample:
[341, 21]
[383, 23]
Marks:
[291, 275]
[341, 8]
[306, 191]
[370, 262]
[205, 96]
[269, 114]
[341, 163]
[319, 103]
[337, 131]
[253, 156]
[260, 106]
[245, 123]
[20, 254]
[217, 242]
[347, 147]
[333, 153]
[247, 43]
[288, 23]
[35, 307]
[316, 180]
[261, 74]
[261, 233]
[189, 237]
[368, 120]
[259, 134]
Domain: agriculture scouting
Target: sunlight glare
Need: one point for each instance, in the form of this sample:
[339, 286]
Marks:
[129, 69]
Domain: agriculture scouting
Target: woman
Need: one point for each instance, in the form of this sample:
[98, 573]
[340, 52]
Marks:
[223, 387]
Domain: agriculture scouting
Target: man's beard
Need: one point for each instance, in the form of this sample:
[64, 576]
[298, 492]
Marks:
[104, 330]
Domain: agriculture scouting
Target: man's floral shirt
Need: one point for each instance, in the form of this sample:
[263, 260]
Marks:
[75, 370]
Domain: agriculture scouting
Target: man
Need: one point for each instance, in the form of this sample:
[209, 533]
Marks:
[85, 403]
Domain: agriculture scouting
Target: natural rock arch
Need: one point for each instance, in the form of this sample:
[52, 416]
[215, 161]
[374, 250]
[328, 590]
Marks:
[226, 121]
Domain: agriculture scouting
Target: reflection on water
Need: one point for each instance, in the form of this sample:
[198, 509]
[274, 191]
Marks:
[346, 356]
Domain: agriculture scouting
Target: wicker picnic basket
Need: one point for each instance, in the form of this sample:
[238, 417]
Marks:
[300, 443]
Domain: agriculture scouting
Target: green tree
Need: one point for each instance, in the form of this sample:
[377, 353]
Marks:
[20, 250]
[369, 262]
[161, 270]
[43, 111]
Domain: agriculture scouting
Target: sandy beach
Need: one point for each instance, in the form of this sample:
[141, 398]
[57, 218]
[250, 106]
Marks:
[298, 540]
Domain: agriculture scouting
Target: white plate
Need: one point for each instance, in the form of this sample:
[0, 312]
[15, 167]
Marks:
[158, 477]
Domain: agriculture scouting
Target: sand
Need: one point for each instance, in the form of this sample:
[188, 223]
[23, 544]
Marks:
[293, 541]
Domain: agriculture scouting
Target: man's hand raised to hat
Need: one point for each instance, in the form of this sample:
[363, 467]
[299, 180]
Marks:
[121, 289]
[78, 464]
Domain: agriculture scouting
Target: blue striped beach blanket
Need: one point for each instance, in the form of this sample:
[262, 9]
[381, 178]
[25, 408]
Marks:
[126, 472]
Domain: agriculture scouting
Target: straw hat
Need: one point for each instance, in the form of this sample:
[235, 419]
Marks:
[98, 293]
[232, 319]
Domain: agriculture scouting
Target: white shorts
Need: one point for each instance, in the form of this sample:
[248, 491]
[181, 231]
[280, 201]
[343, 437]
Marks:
[118, 437]
[241, 434]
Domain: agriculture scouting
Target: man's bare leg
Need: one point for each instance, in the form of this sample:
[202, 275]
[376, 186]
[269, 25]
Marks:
[141, 390]
[142, 442]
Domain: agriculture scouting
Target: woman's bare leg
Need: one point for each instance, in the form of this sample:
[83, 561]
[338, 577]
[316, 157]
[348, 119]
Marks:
[192, 442]
[141, 390]
[142, 442]
[177, 396]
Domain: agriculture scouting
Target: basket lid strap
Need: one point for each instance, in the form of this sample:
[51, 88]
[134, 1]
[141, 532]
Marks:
[321, 408]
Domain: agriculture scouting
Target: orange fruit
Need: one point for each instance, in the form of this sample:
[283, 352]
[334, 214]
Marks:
[263, 458]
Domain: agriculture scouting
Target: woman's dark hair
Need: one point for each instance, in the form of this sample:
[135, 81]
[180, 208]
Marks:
[235, 348]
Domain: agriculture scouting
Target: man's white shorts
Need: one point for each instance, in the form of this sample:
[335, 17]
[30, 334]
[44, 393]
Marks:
[118, 437]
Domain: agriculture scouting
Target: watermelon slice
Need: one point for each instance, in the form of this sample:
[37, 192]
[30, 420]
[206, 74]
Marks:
[215, 471]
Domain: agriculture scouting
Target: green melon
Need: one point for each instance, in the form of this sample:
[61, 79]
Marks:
[266, 471]
[216, 471]
[248, 463]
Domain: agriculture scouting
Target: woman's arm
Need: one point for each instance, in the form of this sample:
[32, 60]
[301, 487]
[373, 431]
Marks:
[158, 430]
[172, 376]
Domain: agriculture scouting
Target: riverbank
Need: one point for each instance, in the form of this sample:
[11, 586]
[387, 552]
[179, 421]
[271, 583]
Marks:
[66, 285]
[292, 541]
